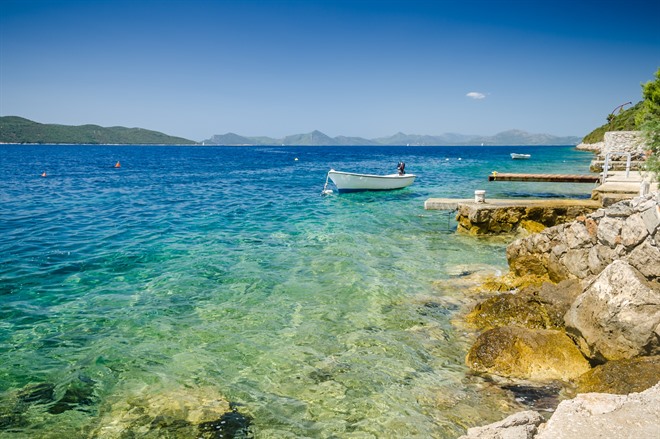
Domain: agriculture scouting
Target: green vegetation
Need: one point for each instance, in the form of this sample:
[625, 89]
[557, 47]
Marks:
[649, 122]
[15, 129]
[624, 120]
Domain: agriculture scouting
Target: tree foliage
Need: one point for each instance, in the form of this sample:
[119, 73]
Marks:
[649, 122]
[623, 120]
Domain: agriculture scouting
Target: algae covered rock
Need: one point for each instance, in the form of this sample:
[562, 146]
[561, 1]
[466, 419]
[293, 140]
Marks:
[621, 376]
[535, 307]
[509, 309]
[535, 354]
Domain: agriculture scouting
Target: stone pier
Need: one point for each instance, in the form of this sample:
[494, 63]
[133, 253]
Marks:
[496, 216]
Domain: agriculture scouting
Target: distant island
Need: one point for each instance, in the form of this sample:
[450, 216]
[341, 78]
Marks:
[14, 129]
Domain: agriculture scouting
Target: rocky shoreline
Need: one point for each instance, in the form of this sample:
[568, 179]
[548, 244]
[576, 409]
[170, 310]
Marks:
[579, 306]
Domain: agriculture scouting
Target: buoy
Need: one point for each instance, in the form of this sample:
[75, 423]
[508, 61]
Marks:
[296, 159]
[43, 174]
[117, 165]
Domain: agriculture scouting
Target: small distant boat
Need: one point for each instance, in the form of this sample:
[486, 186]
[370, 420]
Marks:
[351, 182]
[520, 156]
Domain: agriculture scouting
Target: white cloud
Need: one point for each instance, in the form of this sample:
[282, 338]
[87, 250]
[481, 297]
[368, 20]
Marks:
[476, 95]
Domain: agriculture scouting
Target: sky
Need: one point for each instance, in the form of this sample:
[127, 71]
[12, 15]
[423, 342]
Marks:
[195, 68]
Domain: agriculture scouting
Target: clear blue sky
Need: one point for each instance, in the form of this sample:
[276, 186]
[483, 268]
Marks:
[194, 68]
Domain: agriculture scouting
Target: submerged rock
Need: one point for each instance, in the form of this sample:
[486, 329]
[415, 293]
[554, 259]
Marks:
[14, 405]
[515, 352]
[231, 425]
[78, 394]
[156, 413]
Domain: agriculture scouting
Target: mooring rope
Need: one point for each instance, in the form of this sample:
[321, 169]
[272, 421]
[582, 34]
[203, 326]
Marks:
[325, 190]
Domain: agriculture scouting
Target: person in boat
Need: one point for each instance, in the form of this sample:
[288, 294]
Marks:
[401, 167]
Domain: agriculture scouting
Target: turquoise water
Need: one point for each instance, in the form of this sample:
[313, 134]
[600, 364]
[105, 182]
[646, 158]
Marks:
[205, 273]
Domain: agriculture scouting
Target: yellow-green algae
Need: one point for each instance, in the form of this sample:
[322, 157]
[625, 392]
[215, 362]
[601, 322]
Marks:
[538, 354]
[621, 376]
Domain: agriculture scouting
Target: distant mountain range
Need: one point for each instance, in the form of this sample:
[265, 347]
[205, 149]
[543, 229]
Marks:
[14, 129]
[317, 138]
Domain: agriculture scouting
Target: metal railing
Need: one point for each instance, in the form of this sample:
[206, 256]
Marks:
[606, 165]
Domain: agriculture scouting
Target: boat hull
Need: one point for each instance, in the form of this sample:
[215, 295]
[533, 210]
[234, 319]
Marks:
[520, 156]
[351, 182]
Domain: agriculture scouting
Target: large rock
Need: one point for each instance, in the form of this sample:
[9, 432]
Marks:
[617, 316]
[601, 415]
[517, 352]
[589, 415]
[646, 258]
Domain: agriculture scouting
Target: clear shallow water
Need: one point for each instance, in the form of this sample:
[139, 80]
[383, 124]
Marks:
[222, 271]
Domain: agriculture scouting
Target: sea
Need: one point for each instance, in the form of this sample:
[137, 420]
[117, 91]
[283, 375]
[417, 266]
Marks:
[137, 300]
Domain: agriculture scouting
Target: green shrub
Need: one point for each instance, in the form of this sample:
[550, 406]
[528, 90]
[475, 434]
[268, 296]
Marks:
[625, 120]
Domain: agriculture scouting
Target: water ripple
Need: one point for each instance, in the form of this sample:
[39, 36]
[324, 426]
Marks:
[224, 267]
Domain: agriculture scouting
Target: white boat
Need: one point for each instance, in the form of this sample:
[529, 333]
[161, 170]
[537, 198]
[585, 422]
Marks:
[351, 182]
[520, 156]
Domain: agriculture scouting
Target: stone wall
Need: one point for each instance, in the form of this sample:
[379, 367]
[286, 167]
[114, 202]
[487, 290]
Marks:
[617, 142]
[623, 141]
[483, 218]
[628, 230]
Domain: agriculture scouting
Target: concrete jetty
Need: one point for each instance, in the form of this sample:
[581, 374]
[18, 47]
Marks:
[623, 185]
[495, 216]
[481, 215]
[454, 203]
